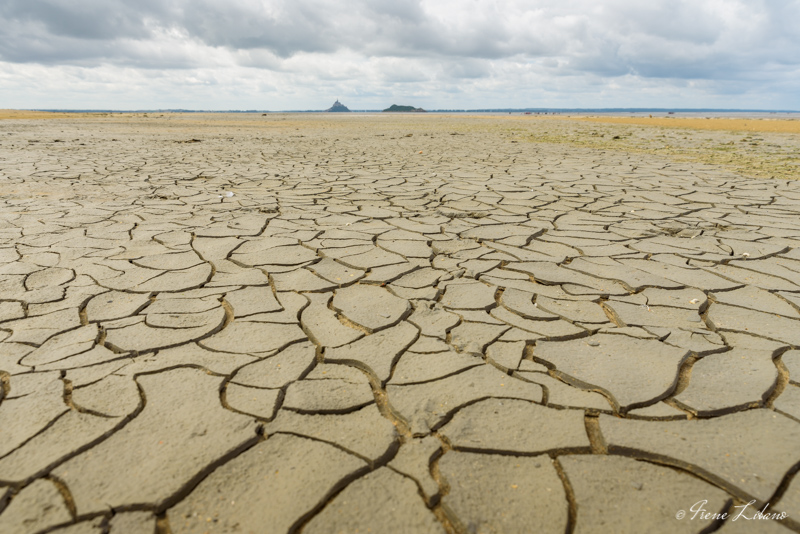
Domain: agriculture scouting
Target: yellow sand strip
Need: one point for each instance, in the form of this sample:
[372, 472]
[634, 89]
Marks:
[24, 114]
[745, 125]
[730, 124]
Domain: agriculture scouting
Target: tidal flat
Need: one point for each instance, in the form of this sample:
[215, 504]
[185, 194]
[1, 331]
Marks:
[397, 323]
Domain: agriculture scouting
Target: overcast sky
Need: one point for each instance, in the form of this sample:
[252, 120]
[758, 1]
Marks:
[451, 54]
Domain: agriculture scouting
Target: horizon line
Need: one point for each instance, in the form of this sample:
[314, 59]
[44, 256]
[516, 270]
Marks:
[455, 110]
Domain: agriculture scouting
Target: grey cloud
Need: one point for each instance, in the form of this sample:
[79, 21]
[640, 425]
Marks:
[660, 38]
[81, 19]
[468, 69]
[677, 22]
[289, 28]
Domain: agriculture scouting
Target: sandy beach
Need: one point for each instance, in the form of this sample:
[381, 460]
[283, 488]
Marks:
[398, 323]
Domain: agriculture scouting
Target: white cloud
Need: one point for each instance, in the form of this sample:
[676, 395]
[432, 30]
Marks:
[300, 54]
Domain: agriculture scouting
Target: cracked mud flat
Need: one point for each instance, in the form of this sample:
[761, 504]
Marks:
[447, 331]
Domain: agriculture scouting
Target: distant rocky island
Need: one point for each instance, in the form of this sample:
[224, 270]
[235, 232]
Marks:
[337, 107]
[394, 108]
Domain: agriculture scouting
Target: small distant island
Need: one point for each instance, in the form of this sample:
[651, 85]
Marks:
[337, 107]
[394, 108]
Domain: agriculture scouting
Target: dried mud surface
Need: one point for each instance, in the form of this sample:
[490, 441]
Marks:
[758, 148]
[303, 323]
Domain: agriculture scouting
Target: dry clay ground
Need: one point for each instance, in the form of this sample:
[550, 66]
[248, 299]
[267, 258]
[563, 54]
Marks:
[246, 323]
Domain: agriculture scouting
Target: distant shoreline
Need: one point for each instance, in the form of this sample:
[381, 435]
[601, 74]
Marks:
[556, 111]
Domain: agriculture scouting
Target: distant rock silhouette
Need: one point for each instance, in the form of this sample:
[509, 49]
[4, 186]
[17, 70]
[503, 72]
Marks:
[337, 107]
[394, 108]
